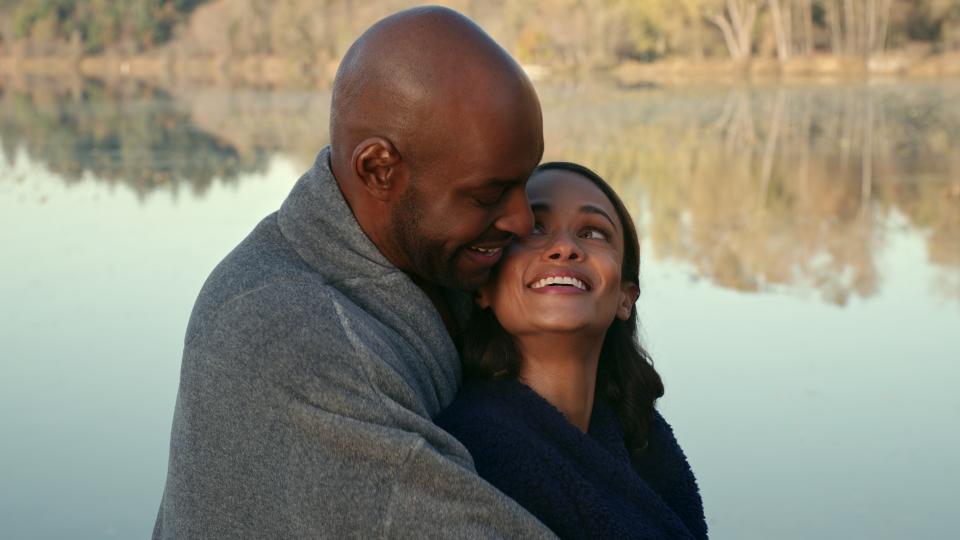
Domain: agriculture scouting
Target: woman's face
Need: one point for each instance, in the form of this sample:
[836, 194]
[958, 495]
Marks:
[565, 277]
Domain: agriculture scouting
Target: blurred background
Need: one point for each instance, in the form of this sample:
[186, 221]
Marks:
[792, 165]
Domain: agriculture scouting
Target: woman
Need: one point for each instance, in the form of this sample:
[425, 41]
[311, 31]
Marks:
[557, 407]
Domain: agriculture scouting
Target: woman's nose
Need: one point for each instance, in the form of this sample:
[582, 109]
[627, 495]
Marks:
[563, 247]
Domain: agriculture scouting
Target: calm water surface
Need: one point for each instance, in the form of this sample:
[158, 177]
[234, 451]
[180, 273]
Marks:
[801, 287]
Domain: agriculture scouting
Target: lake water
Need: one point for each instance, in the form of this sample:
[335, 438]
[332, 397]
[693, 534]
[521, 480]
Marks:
[801, 286]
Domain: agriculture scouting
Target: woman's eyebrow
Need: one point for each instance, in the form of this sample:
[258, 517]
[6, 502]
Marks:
[585, 209]
[591, 209]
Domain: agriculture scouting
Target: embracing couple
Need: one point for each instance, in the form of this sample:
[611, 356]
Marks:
[433, 336]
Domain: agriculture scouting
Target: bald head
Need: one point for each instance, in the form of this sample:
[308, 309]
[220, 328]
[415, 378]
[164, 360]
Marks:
[418, 77]
[434, 130]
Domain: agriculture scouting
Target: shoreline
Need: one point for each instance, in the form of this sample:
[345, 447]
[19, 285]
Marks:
[811, 68]
[161, 68]
[166, 69]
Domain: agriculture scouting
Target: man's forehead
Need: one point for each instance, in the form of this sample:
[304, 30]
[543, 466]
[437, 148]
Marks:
[486, 182]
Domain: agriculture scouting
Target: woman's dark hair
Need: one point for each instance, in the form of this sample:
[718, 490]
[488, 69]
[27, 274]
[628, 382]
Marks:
[625, 374]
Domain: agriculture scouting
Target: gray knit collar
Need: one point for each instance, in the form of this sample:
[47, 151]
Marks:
[316, 219]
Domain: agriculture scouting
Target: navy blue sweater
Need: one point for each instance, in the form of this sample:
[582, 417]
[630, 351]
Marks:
[581, 485]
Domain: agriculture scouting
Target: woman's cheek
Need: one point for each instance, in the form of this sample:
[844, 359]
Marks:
[611, 268]
[508, 304]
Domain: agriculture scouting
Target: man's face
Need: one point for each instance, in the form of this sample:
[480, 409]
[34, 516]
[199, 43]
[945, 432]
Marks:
[458, 214]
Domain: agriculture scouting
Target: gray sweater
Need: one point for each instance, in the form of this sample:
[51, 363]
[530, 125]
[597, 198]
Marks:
[312, 368]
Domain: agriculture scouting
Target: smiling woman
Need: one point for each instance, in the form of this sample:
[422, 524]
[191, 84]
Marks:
[558, 409]
[566, 275]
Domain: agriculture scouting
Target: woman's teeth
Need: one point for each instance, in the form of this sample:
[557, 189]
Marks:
[558, 280]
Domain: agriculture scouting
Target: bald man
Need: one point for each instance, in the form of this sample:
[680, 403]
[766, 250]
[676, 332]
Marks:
[320, 348]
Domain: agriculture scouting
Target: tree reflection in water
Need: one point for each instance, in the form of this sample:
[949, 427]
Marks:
[132, 135]
[756, 187]
[761, 187]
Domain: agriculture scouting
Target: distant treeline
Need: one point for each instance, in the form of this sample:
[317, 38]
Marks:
[92, 26]
[556, 33]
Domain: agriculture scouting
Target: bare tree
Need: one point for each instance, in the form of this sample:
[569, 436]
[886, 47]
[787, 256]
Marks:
[877, 20]
[805, 22]
[850, 26]
[856, 26]
[884, 23]
[832, 10]
[781, 30]
[736, 22]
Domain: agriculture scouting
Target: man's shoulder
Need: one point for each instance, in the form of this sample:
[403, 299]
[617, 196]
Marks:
[266, 314]
[281, 308]
[291, 311]
[294, 332]
[260, 260]
[264, 283]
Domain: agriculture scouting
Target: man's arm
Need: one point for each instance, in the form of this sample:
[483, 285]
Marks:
[282, 430]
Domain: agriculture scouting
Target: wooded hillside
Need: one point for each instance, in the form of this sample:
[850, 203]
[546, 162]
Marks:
[554, 33]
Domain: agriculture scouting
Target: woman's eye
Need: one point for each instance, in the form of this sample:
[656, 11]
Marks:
[538, 228]
[592, 233]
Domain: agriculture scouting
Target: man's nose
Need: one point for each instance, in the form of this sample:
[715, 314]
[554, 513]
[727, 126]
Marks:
[517, 217]
[563, 247]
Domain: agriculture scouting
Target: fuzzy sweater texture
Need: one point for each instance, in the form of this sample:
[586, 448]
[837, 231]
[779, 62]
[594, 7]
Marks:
[311, 370]
[581, 485]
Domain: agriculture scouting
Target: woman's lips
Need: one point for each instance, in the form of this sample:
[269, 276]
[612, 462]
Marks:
[560, 282]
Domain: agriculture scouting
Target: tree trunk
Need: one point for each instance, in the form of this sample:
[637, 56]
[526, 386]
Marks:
[733, 46]
[850, 25]
[871, 19]
[807, 16]
[746, 25]
[884, 25]
[833, 19]
[779, 32]
[737, 27]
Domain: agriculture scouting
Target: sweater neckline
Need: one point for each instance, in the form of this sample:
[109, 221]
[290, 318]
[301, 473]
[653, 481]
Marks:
[603, 439]
[603, 433]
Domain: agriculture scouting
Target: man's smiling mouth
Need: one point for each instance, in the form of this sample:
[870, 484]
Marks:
[489, 252]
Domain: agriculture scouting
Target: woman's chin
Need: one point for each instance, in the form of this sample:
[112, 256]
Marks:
[573, 324]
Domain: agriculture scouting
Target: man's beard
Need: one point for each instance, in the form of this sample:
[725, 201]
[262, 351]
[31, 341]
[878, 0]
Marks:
[427, 254]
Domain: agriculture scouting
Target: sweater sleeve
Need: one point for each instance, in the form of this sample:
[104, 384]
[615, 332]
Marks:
[520, 465]
[280, 431]
[666, 469]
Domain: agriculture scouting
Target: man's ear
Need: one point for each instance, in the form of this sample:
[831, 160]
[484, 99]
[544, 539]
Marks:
[380, 167]
[629, 292]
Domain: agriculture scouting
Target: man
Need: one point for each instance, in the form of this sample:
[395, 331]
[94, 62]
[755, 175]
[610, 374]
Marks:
[319, 350]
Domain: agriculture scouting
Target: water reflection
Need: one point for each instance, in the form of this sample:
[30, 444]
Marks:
[755, 188]
[134, 135]
[767, 187]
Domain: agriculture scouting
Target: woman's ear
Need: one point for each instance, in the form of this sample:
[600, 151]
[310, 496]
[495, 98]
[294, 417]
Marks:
[482, 298]
[629, 292]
